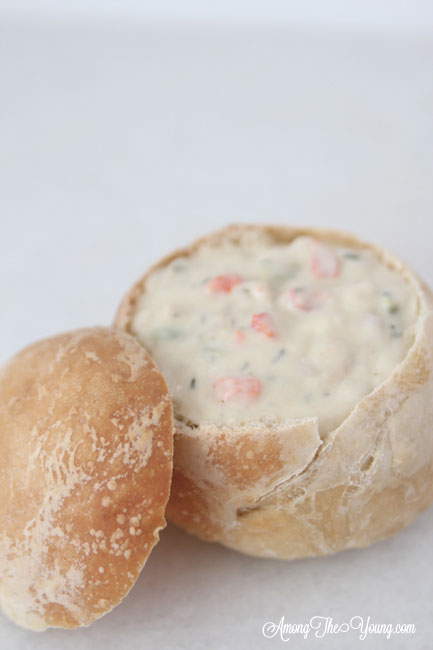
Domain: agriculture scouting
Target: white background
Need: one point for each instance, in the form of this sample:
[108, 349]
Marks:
[127, 131]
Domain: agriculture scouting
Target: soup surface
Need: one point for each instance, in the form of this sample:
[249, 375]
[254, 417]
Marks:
[275, 331]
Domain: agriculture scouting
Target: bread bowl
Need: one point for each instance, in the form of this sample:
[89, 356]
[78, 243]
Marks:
[85, 471]
[293, 480]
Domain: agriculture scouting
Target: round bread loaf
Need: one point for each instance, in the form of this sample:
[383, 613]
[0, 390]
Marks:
[85, 470]
[291, 487]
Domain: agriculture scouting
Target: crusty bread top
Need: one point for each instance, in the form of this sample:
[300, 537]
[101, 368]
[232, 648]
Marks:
[85, 471]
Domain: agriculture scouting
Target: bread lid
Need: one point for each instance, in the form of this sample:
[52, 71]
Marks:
[86, 435]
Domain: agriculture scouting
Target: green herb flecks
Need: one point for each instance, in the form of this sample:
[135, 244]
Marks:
[279, 355]
[389, 302]
[165, 333]
[395, 330]
[350, 255]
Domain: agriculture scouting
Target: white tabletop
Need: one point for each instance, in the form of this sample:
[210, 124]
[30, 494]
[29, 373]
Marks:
[120, 142]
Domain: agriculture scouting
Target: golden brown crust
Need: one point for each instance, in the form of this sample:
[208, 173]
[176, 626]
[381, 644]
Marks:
[284, 492]
[85, 470]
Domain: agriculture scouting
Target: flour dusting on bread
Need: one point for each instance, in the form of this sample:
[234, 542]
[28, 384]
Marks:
[86, 429]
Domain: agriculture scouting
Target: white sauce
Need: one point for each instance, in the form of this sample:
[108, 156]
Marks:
[289, 331]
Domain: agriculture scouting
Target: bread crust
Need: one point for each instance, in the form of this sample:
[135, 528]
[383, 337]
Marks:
[85, 470]
[285, 492]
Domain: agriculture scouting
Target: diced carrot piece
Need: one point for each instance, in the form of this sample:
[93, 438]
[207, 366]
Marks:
[303, 300]
[324, 261]
[223, 283]
[239, 336]
[233, 388]
[264, 323]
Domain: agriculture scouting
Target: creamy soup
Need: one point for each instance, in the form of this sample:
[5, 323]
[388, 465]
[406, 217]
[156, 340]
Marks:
[259, 330]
